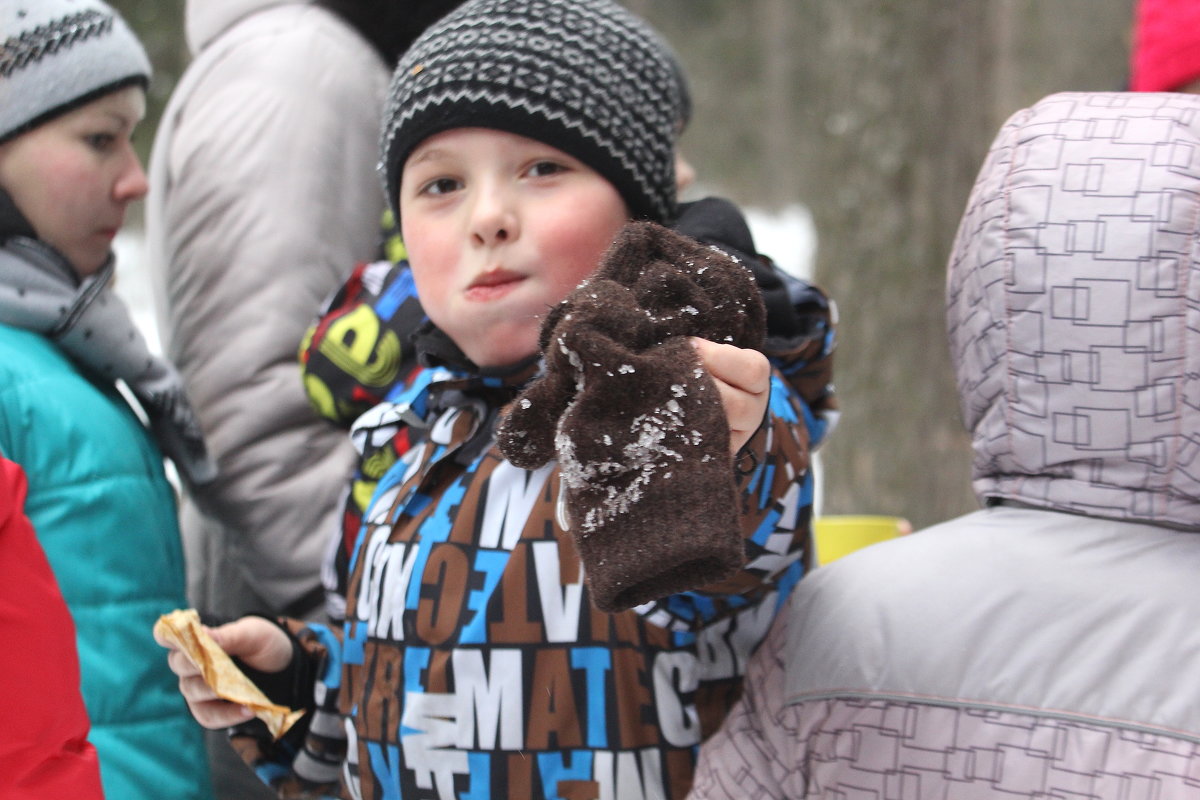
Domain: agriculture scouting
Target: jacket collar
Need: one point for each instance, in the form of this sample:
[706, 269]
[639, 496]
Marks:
[436, 349]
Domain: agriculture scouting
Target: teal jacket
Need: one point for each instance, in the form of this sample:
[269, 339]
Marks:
[106, 517]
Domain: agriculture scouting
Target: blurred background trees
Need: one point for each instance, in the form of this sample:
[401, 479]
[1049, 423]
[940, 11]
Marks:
[159, 24]
[875, 115]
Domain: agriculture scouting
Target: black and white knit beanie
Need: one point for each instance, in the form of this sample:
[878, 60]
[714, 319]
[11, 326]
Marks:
[585, 76]
[57, 55]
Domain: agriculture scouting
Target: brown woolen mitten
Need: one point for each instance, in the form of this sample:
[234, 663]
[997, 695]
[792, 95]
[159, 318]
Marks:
[636, 423]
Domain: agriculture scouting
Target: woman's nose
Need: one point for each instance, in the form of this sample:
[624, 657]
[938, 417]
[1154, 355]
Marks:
[131, 183]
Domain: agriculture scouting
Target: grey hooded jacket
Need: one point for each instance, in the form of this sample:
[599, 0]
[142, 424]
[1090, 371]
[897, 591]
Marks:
[263, 197]
[1044, 646]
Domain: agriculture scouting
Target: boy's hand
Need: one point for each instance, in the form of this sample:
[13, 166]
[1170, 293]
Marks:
[743, 378]
[257, 642]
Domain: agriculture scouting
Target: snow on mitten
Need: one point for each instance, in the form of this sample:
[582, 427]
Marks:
[636, 423]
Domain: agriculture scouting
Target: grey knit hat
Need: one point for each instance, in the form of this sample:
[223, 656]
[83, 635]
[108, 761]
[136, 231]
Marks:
[585, 76]
[57, 55]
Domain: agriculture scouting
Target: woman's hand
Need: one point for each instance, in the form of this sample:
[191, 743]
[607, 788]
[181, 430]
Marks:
[743, 378]
[258, 642]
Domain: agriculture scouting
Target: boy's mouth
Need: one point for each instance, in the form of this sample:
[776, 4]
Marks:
[493, 284]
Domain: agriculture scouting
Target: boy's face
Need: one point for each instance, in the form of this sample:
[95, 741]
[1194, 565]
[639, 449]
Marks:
[74, 176]
[499, 228]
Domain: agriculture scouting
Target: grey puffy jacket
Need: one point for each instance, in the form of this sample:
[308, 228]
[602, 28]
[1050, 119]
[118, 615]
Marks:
[1044, 646]
[263, 197]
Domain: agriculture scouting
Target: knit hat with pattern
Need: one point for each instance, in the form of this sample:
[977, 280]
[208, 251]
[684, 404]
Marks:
[57, 55]
[585, 76]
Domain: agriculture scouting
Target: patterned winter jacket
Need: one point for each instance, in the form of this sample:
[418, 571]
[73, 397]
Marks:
[1039, 647]
[473, 662]
[361, 353]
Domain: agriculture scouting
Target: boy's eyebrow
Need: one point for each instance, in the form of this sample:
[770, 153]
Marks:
[428, 154]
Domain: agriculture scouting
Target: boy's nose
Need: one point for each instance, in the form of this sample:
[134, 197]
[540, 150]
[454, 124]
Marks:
[493, 218]
[685, 173]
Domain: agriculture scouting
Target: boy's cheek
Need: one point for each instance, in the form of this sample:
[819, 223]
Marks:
[433, 268]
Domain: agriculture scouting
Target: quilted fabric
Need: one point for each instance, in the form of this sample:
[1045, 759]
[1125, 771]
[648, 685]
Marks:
[1071, 294]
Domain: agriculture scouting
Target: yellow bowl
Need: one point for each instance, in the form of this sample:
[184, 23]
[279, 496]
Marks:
[836, 535]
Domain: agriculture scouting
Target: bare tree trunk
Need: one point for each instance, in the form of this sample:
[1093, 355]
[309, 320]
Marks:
[876, 115]
[639, 7]
[776, 20]
[913, 94]
[159, 25]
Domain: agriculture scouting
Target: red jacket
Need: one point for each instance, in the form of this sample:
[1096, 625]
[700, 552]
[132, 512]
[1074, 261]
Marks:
[44, 752]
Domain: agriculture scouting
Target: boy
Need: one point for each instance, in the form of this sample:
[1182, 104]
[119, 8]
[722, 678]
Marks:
[520, 139]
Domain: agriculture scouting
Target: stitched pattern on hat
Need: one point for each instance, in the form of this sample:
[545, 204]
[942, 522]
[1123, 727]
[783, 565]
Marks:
[586, 76]
[21, 51]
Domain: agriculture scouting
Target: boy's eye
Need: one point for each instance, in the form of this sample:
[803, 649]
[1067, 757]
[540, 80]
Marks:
[441, 186]
[543, 168]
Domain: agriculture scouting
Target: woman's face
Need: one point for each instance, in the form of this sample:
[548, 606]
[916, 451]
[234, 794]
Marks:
[74, 176]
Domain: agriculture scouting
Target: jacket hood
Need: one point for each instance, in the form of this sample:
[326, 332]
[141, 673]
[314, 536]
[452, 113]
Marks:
[1073, 298]
[204, 20]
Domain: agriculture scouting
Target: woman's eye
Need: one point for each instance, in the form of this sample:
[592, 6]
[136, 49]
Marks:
[100, 141]
[441, 186]
[543, 168]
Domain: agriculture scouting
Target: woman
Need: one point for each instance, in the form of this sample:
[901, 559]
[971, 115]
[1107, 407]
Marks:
[72, 90]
